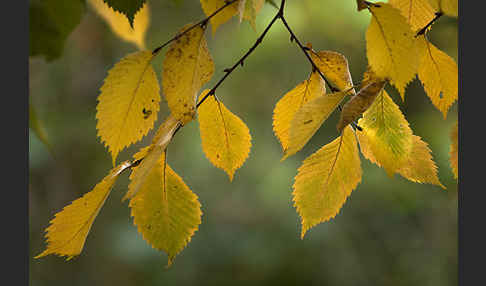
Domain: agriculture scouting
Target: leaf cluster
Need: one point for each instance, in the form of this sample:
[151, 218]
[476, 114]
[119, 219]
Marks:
[165, 210]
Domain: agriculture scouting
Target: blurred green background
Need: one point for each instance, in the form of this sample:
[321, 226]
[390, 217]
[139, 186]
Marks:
[390, 231]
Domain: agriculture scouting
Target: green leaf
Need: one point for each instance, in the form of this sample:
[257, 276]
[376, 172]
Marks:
[127, 7]
[50, 23]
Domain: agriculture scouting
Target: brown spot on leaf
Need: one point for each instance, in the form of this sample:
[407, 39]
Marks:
[146, 113]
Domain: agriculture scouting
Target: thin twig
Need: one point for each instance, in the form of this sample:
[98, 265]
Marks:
[304, 50]
[424, 29]
[228, 71]
[200, 23]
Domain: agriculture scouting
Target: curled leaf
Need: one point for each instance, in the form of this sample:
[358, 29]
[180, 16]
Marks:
[334, 66]
[359, 103]
[186, 68]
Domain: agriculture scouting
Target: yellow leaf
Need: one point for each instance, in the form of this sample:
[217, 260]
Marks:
[359, 103]
[68, 230]
[390, 46]
[226, 140]
[210, 6]
[151, 155]
[166, 212]
[309, 118]
[388, 133]
[448, 7]
[119, 24]
[334, 66]
[325, 180]
[439, 75]
[291, 102]
[453, 154]
[419, 166]
[246, 9]
[417, 12]
[129, 102]
[186, 68]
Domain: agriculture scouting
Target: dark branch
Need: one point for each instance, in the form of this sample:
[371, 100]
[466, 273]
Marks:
[424, 29]
[228, 71]
[314, 66]
[304, 50]
[201, 23]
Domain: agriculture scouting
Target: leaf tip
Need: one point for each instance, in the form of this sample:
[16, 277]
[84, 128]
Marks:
[305, 228]
[231, 175]
[42, 254]
[113, 158]
[285, 156]
[170, 260]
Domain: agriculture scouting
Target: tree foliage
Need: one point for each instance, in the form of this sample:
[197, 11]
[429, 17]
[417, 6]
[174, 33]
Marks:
[165, 210]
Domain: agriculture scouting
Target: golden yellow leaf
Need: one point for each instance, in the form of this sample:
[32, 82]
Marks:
[334, 66]
[419, 166]
[417, 12]
[68, 230]
[325, 180]
[291, 102]
[388, 133]
[166, 212]
[390, 46]
[226, 140]
[119, 24]
[448, 7]
[210, 6]
[129, 102]
[453, 154]
[186, 68]
[439, 75]
[309, 118]
[151, 155]
[359, 103]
